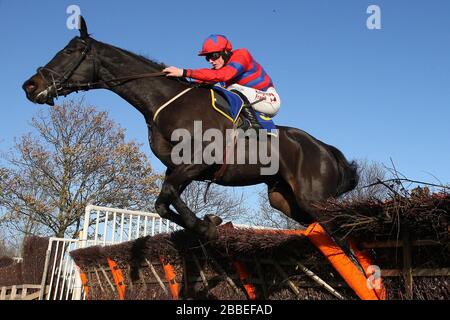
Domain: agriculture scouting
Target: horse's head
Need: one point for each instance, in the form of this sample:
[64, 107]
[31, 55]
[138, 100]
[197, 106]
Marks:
[73, 65]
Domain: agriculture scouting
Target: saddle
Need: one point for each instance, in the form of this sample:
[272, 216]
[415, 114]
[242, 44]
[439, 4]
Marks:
[230, 103]
[222, 105]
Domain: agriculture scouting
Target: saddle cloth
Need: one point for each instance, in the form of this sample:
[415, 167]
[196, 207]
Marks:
[230, 104]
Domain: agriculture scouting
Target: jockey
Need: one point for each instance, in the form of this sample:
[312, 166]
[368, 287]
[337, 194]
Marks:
[238, 71]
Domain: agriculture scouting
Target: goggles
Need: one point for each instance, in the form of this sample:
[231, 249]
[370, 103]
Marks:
[213, 56]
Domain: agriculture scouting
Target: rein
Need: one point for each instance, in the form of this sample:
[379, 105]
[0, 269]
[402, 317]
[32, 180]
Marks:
[63, 83]
[90, 85]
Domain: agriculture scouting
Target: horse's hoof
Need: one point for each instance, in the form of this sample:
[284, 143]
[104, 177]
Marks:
[208, 231]
[212, 233]
[215, 220]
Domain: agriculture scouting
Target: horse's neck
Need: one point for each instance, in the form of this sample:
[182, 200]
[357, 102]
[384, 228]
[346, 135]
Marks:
[146, 95]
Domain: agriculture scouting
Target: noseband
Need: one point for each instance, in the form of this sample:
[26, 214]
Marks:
[62, 82]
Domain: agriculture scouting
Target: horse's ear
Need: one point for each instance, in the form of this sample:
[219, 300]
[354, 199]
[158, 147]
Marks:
[83, 28]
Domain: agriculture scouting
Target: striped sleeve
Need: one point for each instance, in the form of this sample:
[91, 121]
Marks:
[224, 74]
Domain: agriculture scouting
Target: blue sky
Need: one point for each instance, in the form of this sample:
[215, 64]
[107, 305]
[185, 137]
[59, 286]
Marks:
[374, 94]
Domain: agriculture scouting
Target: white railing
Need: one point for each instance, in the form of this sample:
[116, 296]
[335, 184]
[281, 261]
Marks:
[60, 272]
[104, 226]
[21, 292]
[101, 226]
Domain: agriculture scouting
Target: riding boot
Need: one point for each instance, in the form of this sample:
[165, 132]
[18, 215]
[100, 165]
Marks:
[250, 115]
[249, 118]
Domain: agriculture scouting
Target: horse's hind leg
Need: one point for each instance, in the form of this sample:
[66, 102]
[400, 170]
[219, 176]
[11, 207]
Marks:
[291, 203]
[173, 185]
[283, 199]
[306, 205]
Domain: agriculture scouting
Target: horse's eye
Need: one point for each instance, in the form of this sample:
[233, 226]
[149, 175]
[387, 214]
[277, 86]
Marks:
[68, 51]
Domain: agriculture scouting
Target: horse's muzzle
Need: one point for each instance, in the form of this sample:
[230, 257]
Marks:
[36, 93]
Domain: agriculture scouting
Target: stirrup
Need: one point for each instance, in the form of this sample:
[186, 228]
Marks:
[250, 116]
[244, 124]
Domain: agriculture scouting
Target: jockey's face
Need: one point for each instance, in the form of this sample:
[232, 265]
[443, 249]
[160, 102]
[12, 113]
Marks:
[218, 63]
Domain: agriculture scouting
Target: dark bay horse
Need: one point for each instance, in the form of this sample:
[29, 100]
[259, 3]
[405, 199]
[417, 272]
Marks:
[309, 170]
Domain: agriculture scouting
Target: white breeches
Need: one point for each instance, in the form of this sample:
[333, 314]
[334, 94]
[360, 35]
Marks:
[269, 106]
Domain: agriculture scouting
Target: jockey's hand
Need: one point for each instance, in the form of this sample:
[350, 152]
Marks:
[173, 72]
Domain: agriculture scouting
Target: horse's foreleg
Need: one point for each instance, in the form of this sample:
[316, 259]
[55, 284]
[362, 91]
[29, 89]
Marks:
[174, 184]
[162, 207]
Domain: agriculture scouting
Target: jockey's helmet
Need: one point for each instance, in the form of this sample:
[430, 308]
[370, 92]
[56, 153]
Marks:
[215, 43]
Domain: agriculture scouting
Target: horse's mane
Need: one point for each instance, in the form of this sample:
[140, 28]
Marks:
[148, 61]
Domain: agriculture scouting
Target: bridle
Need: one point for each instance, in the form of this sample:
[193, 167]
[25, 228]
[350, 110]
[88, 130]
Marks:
[62, 82]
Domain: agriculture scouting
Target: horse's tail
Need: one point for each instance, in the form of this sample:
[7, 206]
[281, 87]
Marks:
[348, 172]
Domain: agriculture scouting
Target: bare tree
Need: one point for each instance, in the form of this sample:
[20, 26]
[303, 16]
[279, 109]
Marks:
[266, 216]
[220, 201]
[77, 156]
[3, 176]
[370, 172]
[5, 250]
[9, 246]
